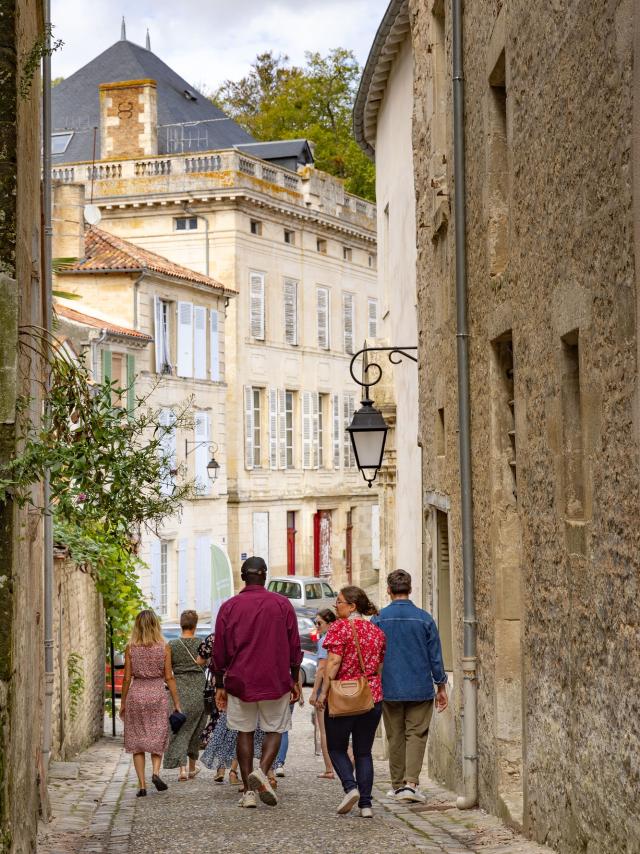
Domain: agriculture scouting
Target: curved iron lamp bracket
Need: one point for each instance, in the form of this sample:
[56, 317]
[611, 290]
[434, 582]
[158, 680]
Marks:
[395, 355]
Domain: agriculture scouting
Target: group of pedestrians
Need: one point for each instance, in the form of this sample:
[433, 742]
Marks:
[371, 666]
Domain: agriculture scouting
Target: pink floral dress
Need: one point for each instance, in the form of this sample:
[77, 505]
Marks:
[146, 714]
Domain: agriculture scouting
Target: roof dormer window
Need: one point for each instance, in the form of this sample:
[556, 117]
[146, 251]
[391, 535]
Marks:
[189, 95]
[60, 142]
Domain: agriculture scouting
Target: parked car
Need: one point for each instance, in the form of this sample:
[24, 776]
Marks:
[308, 668]
[307, 629]
[119, 674]
[304, 591]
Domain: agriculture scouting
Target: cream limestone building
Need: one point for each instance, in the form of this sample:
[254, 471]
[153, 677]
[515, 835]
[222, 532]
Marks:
[128, 298]
[176, 177]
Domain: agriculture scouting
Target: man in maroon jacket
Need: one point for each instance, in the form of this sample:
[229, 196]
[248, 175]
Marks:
[256, 660]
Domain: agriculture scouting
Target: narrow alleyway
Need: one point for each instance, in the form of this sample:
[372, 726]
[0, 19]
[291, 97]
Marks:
[96, 811]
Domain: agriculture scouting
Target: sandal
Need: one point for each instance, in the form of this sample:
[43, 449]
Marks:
[182, 777]
[327, 775]
[193, 774]
[233, 778]
[219, 778]
[272, 781]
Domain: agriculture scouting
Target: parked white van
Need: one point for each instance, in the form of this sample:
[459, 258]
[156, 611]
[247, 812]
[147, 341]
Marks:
[304, 591]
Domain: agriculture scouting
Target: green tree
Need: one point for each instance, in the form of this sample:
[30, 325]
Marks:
[279, 101]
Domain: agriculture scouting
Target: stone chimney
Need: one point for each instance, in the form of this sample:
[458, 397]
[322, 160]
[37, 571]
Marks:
[128, 119]
[68, 220]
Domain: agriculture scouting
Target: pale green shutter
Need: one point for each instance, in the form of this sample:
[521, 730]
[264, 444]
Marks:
[131, 378]
[106, 365]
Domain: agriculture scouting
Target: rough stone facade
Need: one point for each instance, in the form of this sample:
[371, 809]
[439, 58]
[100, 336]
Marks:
[553, 320]
[21, 641]
[129, 119]
[79, 633]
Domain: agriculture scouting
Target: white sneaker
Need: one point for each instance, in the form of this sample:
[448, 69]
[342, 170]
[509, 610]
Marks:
[280, 772]
[409, 793]
[348, 802]
[393, 792]
[259, 783]
[248, 800]
[366, 812]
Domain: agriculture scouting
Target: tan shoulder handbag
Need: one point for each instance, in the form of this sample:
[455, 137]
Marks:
[351, 696]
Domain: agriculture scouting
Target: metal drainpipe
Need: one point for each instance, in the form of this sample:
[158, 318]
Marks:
[136, 285]
[94, 353]
[470, 721]
[48, 324]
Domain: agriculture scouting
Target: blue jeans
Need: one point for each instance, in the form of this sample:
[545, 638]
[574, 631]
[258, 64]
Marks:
[284, 744]
[362, 729]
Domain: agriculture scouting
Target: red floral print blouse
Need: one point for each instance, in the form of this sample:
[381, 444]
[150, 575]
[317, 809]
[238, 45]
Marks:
[373, 643]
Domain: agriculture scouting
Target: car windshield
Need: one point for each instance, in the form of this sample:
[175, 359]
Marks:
[314, 591]
[290, 589]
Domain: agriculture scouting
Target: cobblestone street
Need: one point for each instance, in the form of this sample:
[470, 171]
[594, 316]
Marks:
[98, 812]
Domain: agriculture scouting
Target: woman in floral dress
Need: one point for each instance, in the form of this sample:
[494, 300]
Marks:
[144, 706]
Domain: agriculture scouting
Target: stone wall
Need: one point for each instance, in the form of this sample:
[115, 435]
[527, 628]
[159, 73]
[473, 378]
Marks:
[552, 308]
[79, 633]
[21, 648]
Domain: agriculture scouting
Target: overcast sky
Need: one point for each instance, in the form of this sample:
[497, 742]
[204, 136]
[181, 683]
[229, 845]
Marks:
[208, 41]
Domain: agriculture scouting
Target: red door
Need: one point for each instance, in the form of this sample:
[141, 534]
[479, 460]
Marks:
[349, 548]
[291, 543]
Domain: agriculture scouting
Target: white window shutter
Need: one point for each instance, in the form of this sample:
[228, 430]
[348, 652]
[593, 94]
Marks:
[248, 427]
[199, 342]
[183, 554]
[282, 429]
[256, 288]
[215, 346]
[273, 428]
[323, 318]
[335, 429]
[349, 406]
[185, 339]
[201, 452]
[155, 574]
[375, 536]
[203, 573]
[290, 311]
[315, 400]
[168, 450]
[348, 322]
[307, 430]
[158, 333]
[373, 317]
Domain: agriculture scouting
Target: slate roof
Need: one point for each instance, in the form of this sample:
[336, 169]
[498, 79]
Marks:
[96, 323]
[76, 105]
[106, 253]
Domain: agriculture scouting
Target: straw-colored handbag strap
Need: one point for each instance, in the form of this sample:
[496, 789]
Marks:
[357, 642]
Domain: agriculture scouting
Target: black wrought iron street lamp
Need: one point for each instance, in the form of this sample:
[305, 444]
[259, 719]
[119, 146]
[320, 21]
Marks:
[368, 429]
[213, 466]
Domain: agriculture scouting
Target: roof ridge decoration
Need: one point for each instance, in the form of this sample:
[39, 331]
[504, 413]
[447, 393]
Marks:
[391, 33]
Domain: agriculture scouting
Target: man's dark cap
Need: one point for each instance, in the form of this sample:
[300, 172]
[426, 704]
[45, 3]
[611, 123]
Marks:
[254, 566]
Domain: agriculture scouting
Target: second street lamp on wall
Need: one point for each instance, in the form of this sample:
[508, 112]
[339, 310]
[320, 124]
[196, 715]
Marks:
[213, 466]
[368, 429]
[368, 432]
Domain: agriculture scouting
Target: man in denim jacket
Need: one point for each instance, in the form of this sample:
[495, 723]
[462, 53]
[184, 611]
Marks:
[412, 664]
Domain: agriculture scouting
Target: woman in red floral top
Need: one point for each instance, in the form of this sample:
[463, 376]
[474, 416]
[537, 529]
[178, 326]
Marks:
[352, 606]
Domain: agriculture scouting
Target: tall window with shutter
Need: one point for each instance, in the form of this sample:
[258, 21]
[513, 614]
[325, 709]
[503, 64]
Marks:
[161, 311]
[203, 573]
[164, 578]
[168, 450]
[201, 452]
[248, 427]
[214, 350]
[256, 309]
[199, 342]
[290, 311]
[257, 429]
[372, 326]
[348, 322]
[322, 307]
[288, 410]
[349, 406]
[315, 427]
[183, 553]
[185, 339]
[273, 428]
[282, 429]
[335, 429]
[307, 430]
[154, 566]
[131, 382]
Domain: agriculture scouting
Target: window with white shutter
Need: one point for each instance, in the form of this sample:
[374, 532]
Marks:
[282, 429]
[323, 318]
[185, 339]
[168, 451]
[257, 429]
[183, 554]
[201, 452]
[256, 309]
[315, 402]
[307, 430]
[290, 311]
[199, 342]
[161, 336]
[349, 406]
[154, 565]
[248, 427]
[164, 578]
[335, 429]
[273, 428]
[288, 410]
[372, 330]
[203, 573]
[214, 346]
[348, 322]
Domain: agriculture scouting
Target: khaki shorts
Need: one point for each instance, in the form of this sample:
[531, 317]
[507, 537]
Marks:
[272, 715]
